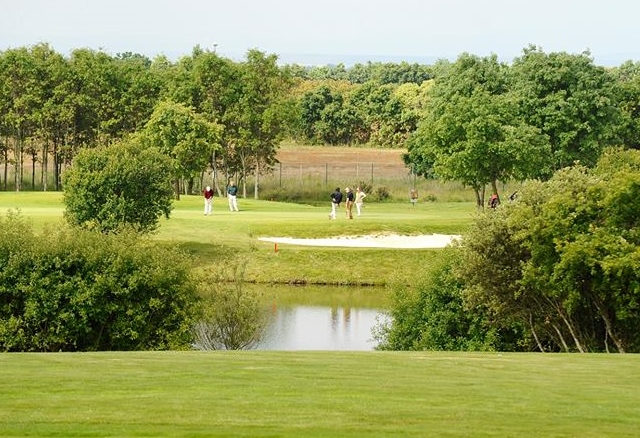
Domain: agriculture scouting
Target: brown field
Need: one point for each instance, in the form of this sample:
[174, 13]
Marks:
[337, 161]
[319, 155]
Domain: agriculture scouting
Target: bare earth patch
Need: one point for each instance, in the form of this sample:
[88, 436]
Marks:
[373, 241]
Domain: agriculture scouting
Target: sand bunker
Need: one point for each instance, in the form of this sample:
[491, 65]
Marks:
[373, 241]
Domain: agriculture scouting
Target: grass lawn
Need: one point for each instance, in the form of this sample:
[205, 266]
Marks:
[310, 394]
[319, 394]
[227, 239]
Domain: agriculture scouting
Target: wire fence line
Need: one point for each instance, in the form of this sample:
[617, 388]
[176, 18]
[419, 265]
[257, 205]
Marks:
[328, 173]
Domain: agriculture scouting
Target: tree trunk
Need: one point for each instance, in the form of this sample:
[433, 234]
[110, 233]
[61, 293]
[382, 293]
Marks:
[257, 183]
[176, 189]
[535, 335]
[608, 325]
[17, 156]
[44, 174]
[561, 338]
[214, 176]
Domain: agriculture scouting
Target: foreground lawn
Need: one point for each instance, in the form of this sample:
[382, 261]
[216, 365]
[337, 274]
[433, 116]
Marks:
[314, 394]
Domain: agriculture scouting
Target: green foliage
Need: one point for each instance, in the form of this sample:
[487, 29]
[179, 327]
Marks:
[565, 258]
[570, 100]
[123, 185]
[434, 315]
[233, 318]
[184, 135]
[382, 193]
[471, 131]
[74, 290]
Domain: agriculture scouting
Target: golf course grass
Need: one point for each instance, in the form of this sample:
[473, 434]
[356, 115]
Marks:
[319, 394]
[304, 393]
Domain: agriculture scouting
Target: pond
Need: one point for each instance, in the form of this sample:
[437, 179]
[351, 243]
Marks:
[323, 317]
[321, 328]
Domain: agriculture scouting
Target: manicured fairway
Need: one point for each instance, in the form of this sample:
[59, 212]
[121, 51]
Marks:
[319, 394]
[227, 239]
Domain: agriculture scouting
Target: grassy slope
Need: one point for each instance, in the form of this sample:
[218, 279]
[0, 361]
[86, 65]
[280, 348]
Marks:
[314, 394]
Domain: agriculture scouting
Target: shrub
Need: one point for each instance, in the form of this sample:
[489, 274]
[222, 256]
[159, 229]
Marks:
[233, 317]
[382, 193]
[78, 290]
[122, 185]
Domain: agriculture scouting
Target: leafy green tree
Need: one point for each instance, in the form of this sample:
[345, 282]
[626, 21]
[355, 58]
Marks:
[434, 315]
[21, 95]
[260, 116]
[212, 86]
[183, 135]
[311, 107]
[471, 132]
[119, 186]
[570, 100]
[564, 258]
[627, 78]
[76, 290]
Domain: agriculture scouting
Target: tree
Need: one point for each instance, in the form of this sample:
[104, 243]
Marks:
[471, 132]
[233, 317]
[570, 100]
[183, 135]
[564, 258]
[260, 117]
[122, 185]
[627, 78]
[435, 316]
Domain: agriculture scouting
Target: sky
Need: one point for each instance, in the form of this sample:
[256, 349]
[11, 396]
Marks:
[329, 31]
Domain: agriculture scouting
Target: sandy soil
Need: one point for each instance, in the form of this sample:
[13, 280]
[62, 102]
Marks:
[372, 241]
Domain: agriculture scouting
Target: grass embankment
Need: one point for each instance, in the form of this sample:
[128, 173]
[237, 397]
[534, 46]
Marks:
[319, 394]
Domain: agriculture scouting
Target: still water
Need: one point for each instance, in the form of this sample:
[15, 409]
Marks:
[323, 318]
[321, 328]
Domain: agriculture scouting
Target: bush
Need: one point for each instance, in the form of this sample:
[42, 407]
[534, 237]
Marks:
[122, 185]
[382, 193]
[233, 317]
[435, 315]
[70, 290]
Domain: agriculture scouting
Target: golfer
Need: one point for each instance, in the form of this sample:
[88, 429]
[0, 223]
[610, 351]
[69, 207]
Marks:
[349, 203]
[208, 200]
[360, 195]
[232, 192]
[336, 199]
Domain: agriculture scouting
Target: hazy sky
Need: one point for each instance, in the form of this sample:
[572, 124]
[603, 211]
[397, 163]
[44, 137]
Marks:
[328, 31]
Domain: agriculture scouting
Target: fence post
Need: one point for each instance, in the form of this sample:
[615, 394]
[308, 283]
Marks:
[371, 174]
[326, 174]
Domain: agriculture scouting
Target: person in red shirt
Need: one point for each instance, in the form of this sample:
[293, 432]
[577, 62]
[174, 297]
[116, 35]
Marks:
[208, 201]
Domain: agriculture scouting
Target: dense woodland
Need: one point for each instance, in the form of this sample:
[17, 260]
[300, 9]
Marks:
[476, 120]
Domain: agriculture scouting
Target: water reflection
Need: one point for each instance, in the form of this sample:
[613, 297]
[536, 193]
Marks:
[301, 327]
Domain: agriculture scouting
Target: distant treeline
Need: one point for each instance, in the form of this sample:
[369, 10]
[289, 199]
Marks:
[51, 105]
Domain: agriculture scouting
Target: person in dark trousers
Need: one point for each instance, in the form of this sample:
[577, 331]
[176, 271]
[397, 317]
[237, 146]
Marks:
[349, 203]
[208, 200]
[336, 199]
[494, 201]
